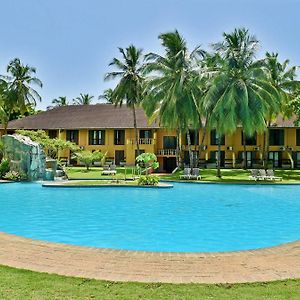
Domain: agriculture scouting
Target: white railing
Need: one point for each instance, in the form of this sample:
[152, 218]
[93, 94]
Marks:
[142, 141]
[166, 152]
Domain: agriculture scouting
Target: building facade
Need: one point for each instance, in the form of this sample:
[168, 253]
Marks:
[109, 129]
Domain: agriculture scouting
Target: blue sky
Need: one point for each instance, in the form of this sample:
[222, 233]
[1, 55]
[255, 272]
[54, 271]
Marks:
[71, 42]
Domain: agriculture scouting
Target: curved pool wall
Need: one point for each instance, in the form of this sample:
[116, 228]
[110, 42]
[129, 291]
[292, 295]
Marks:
[187, 218]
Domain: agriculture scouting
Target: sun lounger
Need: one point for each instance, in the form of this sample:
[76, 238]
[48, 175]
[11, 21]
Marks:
[262, 174]
[271, 176]
[186, 173]
[254, 174]
[195, 174]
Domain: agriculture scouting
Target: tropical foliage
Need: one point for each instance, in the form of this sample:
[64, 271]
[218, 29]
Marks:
[130, 86]
[88, 158]
[17, 94]
[83, 99]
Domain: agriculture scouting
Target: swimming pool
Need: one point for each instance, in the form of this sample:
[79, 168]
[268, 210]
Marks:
[188, 218]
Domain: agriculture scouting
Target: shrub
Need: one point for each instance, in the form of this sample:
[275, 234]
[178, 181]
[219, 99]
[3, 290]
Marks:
[4, 167]
[148, 180]
[15, 176]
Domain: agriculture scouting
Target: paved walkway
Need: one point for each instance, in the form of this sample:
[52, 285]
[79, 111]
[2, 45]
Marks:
[244, 266]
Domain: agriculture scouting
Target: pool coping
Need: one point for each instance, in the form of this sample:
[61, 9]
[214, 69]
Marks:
[267, 264]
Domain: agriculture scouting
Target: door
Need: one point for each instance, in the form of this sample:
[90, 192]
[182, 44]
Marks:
[276, 158]
[249, 158]
[169, 164]
[214, 157]
[296, 158]
[119, 156]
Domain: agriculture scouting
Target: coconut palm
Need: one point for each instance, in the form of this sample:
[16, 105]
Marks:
[107, 96]
[60, 101]
[130, 86]
[172, 90]
[83, 99]
[17, 91]
[283, 78]
[241, 93]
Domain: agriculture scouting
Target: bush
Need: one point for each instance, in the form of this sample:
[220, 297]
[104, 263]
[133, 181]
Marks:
[4, 167]
[148, 180]
[15, 176]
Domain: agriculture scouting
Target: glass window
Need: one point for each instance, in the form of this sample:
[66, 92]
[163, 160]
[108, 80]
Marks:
[250, 140]
[170, 142]
[214, 138]
[145, 134]
[52, 134]
[276, 137]
[72, 136]
[298, 137]
[96, 137]
[119, 137]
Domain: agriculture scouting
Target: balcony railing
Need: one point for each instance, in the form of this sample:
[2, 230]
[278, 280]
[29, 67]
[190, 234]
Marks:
[142, 141]
[166, 152]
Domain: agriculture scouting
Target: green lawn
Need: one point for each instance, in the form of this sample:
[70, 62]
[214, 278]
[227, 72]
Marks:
[22, 284]
[95, 173]
[228, 175]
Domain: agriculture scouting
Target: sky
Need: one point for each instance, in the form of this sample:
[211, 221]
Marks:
[71, 42]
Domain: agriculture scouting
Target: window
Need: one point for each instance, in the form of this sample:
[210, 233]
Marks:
[52, 134]
[170, 142]
[276, 137]
[96, 137]
[72, 136]
[298, 137]
[194, 136]
[119, 137]
[145, 134]
[250, 140]
[214, 138]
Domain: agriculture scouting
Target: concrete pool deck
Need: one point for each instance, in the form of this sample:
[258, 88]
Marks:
[276, 263]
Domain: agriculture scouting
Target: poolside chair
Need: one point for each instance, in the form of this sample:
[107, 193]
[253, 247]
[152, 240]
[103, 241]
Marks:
[262, 174]
[254, 174]
[271, 176]
[186, 173]
[195, 174]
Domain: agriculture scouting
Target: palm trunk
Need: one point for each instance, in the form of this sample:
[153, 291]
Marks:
[136, 132]
[202, 140]
[245, 152]
[219, 159]
[178, 160]
[190, 149]
[266, 146]
[5, 128]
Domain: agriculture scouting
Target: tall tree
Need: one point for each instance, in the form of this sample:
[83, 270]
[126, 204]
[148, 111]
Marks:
[107, 96]
[83, 99]
[241, 93]
[172, 89]
[283, 78]
[129, 89]
[57, 102]
[17, 91]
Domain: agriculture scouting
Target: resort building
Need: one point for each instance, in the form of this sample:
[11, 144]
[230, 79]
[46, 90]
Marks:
[109, 129]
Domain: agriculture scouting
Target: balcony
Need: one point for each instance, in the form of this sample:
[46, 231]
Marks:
[166, 152]
[142, 141]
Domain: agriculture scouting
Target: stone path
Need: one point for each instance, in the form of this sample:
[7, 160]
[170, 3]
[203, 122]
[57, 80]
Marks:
[243, 266]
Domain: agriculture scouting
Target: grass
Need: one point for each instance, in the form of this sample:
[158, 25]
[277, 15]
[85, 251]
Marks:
[209, 175]
[23, 284]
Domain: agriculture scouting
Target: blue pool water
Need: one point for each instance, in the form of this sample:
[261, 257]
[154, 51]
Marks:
[189, 217]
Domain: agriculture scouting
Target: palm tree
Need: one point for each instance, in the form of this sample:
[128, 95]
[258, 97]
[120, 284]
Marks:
[283, 78]
[107, 96]
[83, 99]
[130, 86]
[17, 92]
[241, 93]
[60, 101]
[172, 90]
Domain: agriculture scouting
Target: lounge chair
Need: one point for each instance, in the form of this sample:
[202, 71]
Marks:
[271, 176]
[254, 174]
[186, 173]
[262, 174]
[195, 174]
